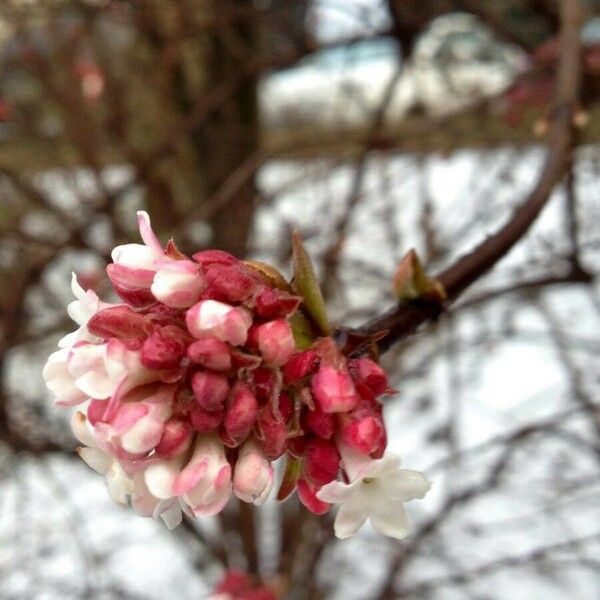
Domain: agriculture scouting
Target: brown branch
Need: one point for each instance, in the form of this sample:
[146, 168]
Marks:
[405, 318]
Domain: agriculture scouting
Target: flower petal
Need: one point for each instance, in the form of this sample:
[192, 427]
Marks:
[405, 485]
[95, 459]
[160, 477]
[389, 518]
[351, 516]
[335, 492]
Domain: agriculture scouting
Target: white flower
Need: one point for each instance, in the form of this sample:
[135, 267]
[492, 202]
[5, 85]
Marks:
[119, 484]
[377, 491]
[81, 310]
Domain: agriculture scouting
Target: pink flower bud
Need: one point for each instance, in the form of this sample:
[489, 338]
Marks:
[319, 422]
[372, 374]
[211, 353]
[333, 389]
[299, 366]
[240, 414]
[117, 321]
[137, 424]
[210, 318]
[276, 342]
[271, 433]
[231, 283]
[177, 283]
[321, 461]
[133, 268]
[264, 383]
[205, 421]
[132, 285]
[252, 475]
[164, 349]
[272, 303]
[176, 438]
[210, 390]
[365, 433]
[307, 495]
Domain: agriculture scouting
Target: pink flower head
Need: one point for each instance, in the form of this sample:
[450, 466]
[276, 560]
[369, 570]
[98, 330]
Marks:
[253, 474]
[333, 389]
[194, 385]
[276, 342]
[210, 318]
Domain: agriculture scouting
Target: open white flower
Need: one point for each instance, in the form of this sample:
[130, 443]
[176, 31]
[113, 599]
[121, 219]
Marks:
[377, 490]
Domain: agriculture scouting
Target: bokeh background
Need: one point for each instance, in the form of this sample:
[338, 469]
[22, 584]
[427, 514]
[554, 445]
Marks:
[372, 126]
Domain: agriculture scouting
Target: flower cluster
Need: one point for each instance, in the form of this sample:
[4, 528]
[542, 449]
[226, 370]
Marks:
[208, 371]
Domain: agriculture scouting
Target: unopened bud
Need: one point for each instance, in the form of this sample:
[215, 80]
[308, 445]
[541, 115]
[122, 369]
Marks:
[164, 349]
[321, 461]
[271, 433]
[253, 474]
[210, 318]
[372, 374]
[205, 420]
[333, 390]
[276, 342]
[299, 366]
[211, 353]
[240, 414]
[117, 321]
[365, 433]
[272, 303]
[307, 495]
[210, 390]
[176, 438]
[319, 422]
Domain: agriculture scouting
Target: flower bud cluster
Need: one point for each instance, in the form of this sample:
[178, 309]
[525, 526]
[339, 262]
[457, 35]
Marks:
[194, 385]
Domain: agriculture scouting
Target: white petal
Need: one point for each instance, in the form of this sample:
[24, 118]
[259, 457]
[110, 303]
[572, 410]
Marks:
[161, 476]
[96, 459]
[405, 485]
[353, 462]
[383, 467]
[118, 484]
[389, 518]
[80, 429]
[351, 516]
[335, 492]
[77, 290]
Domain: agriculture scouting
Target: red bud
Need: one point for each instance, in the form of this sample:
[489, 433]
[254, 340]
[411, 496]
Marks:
[210, 390]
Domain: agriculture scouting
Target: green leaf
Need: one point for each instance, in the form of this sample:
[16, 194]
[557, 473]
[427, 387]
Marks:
[305, 282]
[301, 330]
[410, 281]
[293, 467]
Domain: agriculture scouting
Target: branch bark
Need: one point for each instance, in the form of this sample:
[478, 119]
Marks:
[404, 319]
